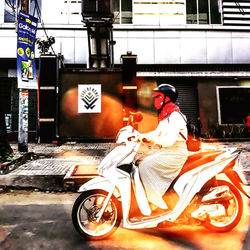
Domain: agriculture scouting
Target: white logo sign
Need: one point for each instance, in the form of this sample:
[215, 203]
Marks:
[89, 98]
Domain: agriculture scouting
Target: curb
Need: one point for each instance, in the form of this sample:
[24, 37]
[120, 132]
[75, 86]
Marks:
[225, 140]
[41, 182]
[78, 175]
[7, 167]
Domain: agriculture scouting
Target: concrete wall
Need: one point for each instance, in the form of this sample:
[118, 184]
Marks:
[151, 46]
[166, 42]
[104, 124]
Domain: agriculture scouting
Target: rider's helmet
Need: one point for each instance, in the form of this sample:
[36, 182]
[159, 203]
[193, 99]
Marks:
[164, 94]
[168, 90]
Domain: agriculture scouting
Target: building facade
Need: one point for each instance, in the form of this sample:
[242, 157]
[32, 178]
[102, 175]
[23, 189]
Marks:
[200, 46]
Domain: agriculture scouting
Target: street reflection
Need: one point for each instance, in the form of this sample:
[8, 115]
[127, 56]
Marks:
[178, 237]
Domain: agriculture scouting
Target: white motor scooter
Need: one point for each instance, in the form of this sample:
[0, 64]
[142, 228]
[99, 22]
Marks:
[194, 197]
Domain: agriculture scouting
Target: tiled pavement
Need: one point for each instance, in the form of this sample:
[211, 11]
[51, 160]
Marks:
[55, 161]
[47, 172]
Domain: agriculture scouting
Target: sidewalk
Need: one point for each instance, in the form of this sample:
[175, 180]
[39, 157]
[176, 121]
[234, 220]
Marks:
[49, 165]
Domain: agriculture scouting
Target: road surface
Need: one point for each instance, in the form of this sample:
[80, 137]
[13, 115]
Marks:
[38, 220]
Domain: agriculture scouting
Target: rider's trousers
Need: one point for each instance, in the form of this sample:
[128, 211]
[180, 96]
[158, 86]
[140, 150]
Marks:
[159, 168]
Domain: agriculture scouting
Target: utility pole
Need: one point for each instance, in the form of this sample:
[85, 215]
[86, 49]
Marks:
[23, 104]
[25, 6]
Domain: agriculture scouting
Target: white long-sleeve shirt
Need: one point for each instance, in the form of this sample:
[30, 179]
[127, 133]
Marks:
[168, 131]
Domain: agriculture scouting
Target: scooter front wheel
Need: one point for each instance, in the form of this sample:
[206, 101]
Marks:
[84, 215]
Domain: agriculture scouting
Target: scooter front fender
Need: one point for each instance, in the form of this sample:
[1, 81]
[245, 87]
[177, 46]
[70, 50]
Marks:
[99, 182]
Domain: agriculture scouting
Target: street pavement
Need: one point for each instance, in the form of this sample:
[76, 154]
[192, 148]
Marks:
[46, 170]
[42, 220]
[49, 165]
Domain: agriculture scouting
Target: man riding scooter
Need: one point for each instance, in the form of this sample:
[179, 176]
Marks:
[161, 166]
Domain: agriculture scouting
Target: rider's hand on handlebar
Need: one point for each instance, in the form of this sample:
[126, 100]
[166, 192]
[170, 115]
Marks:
[139, 139]
[134, 139]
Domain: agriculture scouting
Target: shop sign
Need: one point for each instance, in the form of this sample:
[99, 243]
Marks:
[89, 98]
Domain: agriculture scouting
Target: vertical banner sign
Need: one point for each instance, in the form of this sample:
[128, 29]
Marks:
[89, 98]
[26, 35]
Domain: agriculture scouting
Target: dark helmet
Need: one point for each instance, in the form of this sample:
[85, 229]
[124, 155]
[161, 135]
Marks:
[168, 90]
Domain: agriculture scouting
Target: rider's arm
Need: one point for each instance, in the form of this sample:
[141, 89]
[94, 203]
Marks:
[149, 137]
[167, 132]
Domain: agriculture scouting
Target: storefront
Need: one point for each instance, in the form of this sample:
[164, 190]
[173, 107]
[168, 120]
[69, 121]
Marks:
[216, 98]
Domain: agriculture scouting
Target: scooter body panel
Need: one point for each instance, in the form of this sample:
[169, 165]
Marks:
[99, 182]
[190, 183]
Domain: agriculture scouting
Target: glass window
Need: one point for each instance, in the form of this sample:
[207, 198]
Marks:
[215, 6]
[10, 9]
[191, 6]
[203, 12]
[116, 10]
[126, 11]
[122, 10]
[208, 11]
[233, 103]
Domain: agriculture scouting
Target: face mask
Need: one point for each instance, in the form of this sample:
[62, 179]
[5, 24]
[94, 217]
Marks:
[158, 100]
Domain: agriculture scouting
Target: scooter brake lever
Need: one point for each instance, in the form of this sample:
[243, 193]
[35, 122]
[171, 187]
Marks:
[131, 137]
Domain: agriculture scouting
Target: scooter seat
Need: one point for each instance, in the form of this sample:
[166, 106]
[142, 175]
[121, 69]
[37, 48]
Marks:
[196, 160]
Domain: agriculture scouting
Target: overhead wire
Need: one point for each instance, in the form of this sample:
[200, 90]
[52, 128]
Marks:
[11, 5]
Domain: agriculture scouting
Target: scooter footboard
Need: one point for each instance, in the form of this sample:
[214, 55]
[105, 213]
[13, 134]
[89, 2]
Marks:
[99, 183]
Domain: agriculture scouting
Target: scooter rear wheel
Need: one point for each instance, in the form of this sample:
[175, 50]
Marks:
[234, 210]
[84, 212]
